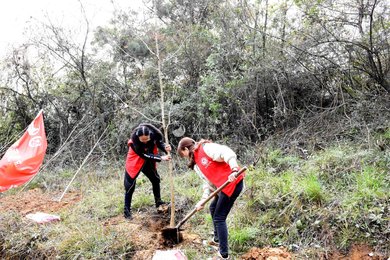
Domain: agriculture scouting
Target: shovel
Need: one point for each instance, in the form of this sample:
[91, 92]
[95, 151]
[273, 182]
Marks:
[173, 233]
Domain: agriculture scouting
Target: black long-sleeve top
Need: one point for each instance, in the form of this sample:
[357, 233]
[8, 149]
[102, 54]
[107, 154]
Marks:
[145, 151]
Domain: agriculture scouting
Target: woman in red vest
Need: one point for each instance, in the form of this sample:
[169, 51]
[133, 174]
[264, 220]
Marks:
[142, 156]
[215, 164]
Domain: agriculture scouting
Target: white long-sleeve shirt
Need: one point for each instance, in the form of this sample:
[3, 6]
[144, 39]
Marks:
[219, 153]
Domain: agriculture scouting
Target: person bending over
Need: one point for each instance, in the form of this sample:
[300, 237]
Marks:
[142, 155]
[215, 164]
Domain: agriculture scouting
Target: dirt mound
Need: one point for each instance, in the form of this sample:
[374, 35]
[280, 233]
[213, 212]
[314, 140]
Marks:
[267, 253]
[147, 224]
[358, 252]
[35, 200]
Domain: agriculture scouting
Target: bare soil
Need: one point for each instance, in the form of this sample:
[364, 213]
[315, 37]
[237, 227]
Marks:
[35, 200]
[148, 225]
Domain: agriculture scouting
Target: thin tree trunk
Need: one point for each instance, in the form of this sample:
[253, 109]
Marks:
[165, 128]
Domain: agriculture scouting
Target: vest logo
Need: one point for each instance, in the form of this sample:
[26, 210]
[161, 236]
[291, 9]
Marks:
[205, 162]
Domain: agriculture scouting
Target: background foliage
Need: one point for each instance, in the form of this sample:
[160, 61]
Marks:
[302, 77]
[233, 71]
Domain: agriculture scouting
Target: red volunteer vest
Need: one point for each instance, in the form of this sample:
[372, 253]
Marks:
[134, 162]
[216, 172]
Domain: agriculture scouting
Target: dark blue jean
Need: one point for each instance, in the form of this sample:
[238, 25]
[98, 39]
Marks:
[219, 209]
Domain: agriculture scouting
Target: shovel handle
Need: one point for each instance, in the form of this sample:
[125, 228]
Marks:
[212, 195]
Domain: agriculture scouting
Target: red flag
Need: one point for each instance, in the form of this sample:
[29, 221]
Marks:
[22, 160]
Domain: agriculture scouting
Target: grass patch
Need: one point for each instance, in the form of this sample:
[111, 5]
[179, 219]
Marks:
[240, 237]
[370, 183]
[331, 199]
[312, 189]
[93, 242]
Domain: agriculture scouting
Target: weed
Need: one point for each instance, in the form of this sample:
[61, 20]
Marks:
[312, 188]
[240, 237]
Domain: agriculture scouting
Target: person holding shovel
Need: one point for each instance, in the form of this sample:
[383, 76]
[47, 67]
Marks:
[215, 164]
[142, 155]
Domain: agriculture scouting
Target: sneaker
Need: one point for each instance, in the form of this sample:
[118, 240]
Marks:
[211, 245]
[213, 242]
[162, 206]
[161, 203]
[219, 257]
[162, 209]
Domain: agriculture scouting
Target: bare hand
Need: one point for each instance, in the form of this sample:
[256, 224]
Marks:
[232, 176]
[199, 206]
[166, 157]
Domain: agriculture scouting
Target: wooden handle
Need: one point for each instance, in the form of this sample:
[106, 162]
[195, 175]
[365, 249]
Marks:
[212, 195]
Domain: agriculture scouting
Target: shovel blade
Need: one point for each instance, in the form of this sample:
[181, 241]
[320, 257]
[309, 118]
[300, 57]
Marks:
[172, 235]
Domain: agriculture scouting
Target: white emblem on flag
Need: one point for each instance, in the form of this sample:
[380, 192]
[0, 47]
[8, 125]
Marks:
[32, 130]
[35, 141]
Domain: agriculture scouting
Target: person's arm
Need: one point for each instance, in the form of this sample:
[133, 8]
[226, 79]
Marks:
[165, 148]
[138, 150]
[207, 188]
[154, 157]
[222, 153]
[162, 146]
[148, 156]
[158, 157]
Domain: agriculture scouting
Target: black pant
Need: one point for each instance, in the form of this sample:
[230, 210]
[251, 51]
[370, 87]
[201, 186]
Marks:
[219, 210]
[150, 171]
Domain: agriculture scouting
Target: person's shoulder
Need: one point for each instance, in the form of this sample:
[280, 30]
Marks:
[212, 146]
[217, 146]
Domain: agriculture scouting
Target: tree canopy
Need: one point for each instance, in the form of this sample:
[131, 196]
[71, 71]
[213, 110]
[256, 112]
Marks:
[237, 71]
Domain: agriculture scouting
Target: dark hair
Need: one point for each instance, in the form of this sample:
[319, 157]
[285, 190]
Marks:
[142, 130]
[191, 145]
[148, 130]
[185, 142]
